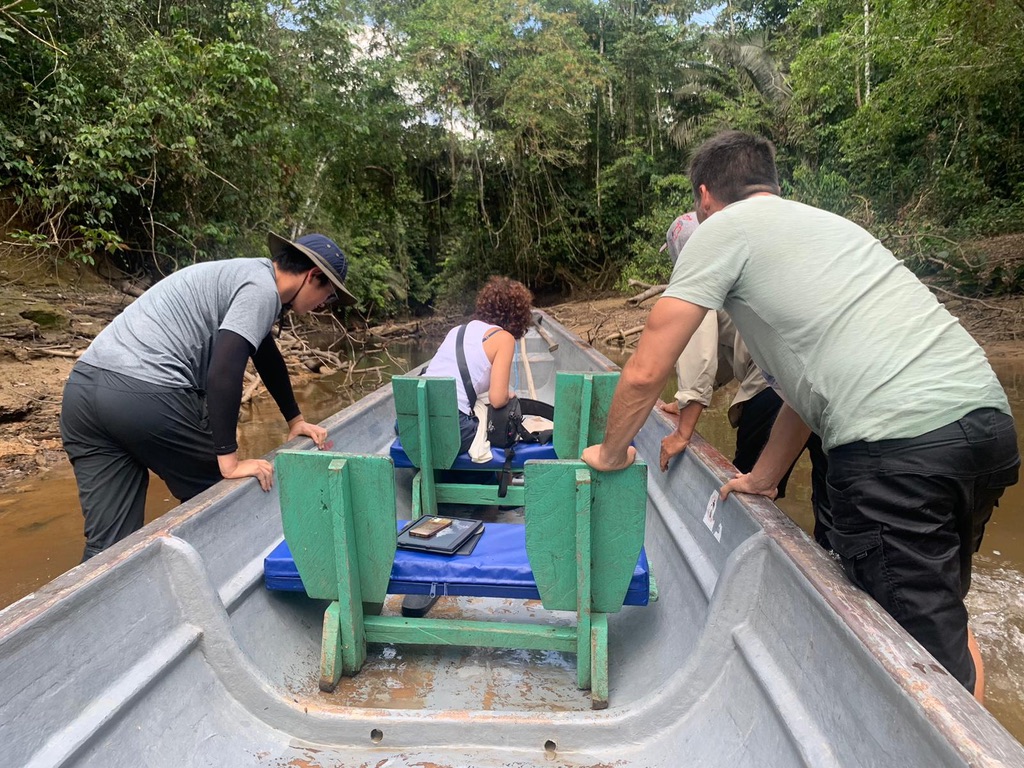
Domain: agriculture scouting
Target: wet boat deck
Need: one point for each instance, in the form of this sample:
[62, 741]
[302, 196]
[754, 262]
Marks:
[446, 678]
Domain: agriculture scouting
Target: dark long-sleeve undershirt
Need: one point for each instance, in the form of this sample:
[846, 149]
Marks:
[274, 372]
[230, 354]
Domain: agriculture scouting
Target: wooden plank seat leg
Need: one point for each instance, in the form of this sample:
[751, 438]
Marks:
[583, 537]
[599, 661]
[429, 437]
[331, 524]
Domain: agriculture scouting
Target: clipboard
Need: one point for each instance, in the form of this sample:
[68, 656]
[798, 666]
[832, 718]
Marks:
[446, 541]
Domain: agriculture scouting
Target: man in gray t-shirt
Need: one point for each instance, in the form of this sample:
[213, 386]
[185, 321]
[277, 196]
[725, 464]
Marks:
[918, 431]
[160, 387]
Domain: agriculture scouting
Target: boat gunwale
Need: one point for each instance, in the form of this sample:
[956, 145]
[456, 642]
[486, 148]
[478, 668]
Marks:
[966, 725]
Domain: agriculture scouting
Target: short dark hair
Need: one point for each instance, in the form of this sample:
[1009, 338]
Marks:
[733, 166]
[505, 302]
[294, 262]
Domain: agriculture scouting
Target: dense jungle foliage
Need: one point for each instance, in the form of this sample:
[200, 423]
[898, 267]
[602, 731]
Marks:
[442, 140]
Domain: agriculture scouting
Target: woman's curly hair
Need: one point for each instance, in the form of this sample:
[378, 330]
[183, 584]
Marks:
[505, 302]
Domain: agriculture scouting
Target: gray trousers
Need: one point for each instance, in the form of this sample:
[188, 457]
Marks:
[115, 429]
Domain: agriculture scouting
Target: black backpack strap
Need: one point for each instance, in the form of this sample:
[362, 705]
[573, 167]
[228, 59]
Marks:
[467, 382]
[505, 476]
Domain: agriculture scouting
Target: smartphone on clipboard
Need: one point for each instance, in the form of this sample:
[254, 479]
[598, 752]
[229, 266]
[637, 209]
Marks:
[429, 527]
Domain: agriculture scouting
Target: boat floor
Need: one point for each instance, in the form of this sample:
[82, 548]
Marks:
[446, 678]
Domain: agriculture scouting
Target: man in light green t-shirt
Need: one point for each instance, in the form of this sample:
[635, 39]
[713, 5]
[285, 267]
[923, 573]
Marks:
[918, 430]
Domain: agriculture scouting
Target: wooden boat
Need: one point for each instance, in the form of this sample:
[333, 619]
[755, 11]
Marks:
[168, 650]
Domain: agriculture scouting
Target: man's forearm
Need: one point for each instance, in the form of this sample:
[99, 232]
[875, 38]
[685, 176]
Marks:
[688, 418]
[272, 369]
[634, 397]
[668, 329]
[788, 438]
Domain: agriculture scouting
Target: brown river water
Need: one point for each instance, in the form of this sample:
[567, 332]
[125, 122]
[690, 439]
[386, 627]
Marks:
[41, 523]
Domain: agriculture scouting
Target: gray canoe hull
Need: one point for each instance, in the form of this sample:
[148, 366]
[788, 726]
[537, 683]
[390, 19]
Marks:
[168, 651]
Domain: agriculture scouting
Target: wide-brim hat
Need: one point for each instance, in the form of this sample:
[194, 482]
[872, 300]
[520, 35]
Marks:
[324, 253]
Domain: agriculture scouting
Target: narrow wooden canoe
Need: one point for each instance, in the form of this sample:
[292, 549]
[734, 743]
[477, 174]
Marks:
[168, 650]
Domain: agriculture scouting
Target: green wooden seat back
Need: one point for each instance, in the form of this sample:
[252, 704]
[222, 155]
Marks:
[576, 394]
[618, 516]
[313, 494]
[441, 418]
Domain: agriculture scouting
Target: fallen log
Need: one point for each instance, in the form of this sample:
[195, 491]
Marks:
[394, 329]
[131, 288]
[60, 353]
[326, 356]
[250, 390]
[640, 298]
[621, 336]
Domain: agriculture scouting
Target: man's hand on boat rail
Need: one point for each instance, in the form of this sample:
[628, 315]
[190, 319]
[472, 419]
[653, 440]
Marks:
[748, 483]
[595, 457]
[672, 445]
[786, 441]
[686, 422]
[232, 469]
[301, 427]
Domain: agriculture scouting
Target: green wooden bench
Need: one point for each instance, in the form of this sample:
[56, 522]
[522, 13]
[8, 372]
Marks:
[584, 531]
[428, 427]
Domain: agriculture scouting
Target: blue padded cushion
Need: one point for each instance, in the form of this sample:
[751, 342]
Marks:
[524, 453]
[498, 567]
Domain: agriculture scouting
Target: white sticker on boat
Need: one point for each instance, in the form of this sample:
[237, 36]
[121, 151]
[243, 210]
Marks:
[714, 525]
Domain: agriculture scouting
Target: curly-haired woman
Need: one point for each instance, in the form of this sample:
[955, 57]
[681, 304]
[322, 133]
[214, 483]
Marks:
[502, 316]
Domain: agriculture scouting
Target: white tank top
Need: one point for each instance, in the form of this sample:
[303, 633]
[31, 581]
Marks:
[445, 362]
